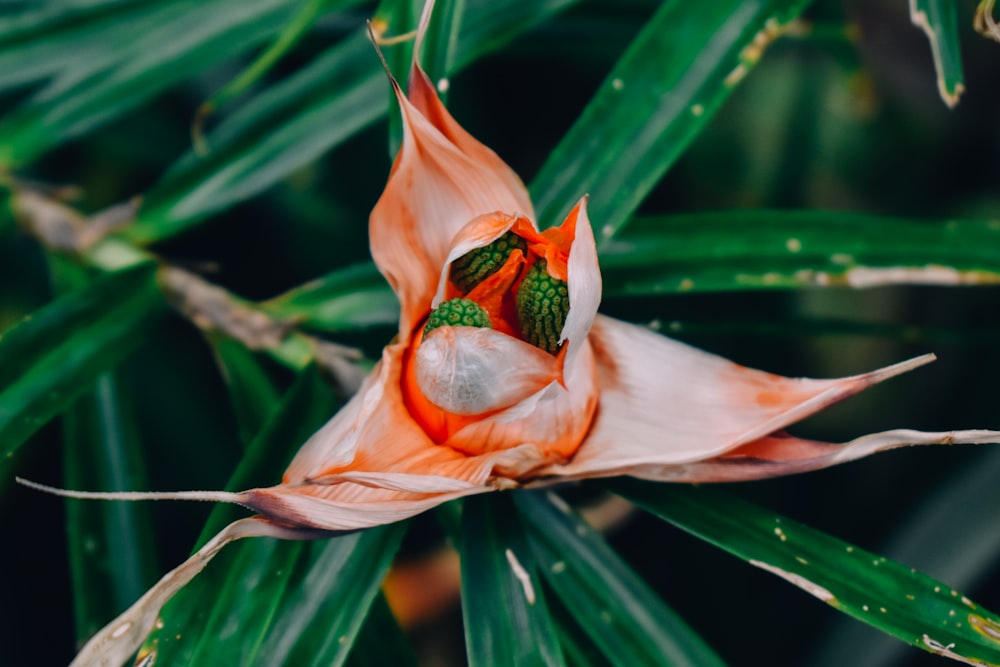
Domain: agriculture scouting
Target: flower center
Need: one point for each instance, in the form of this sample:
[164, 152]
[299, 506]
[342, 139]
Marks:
[458, 312]
[542, 306]
[507, 285]
[473, 267]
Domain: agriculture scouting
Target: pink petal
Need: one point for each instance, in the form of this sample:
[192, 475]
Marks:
[664, 403]
[779, 455]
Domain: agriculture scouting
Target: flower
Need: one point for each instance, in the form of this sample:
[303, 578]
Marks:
[503, 374]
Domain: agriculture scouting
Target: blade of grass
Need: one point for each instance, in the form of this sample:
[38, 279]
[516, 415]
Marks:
[660, 94]
[754, 249]
[506, 620]
[52, 356]
[939, 21]
[112, 551]
[251, 391]
[145, 62]
[615, 608]
[882, 593]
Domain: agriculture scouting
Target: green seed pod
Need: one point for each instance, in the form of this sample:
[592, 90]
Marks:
[473, 267]
[458, 313]
[542, 306]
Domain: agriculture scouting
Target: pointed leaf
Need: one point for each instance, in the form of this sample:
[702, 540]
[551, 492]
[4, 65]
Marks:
[352, 298]
[939, 21]
[50, 357]
[664, 89]
[615, 608]
[506, 621]
[295, 121]
[756, 249]
[887, 595]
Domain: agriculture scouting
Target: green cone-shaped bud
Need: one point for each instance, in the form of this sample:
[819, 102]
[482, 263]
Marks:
[473, 267]
[458, 313]
[542, 306]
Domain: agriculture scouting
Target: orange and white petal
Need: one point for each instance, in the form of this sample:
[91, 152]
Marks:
[547, 427]
[442, 178]
[666, 403]
[334, 446]
[781, 454]
[471, 371]
[583, 282]
[478, 232]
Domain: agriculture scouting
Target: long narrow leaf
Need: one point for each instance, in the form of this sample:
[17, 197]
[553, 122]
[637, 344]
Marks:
[738, 250]
[506, 621]
[939, 21]
[111, 545]
[48, 359]
[660, 94]
[295, 121]
[887, 595]
[187, 41]
[619, 613]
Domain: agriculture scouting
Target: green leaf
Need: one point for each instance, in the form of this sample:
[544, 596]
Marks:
[184, 39]
[52, 356]
[111, 546]
[295, 121]
[352, 298]
[251, 390]
[112, 550]
[381, 640]
[292, 603]
[941, 517]
[68, 39]
[882, 593]
[939, 21]
[615, 608]
[293, 31]
[288, 125]
[660, 94]
[506, 620]
[753, 249]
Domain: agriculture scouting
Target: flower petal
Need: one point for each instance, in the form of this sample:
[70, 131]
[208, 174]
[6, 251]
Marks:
[584, 280]
[546, 428]
[781, 454]
[442, 178]
[470, 371]
[373, 464]
[666, 403]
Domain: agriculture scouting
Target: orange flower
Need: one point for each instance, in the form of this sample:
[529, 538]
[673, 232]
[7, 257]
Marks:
[504, 375]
